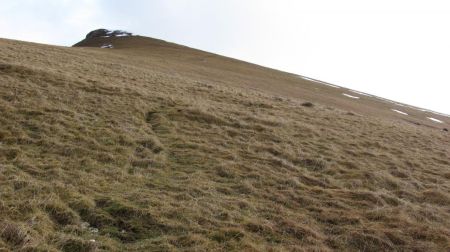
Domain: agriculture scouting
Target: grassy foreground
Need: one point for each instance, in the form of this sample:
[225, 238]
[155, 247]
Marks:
[100, 151]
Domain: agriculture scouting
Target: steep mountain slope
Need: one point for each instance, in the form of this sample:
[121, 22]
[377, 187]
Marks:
[152, 146]
[199, 65]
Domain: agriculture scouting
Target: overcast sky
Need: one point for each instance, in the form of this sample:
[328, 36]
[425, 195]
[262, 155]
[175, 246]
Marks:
[397, 49]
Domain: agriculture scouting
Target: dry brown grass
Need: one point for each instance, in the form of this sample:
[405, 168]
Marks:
[101, 151]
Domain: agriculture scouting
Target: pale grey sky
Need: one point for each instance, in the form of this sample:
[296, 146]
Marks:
[397, 49]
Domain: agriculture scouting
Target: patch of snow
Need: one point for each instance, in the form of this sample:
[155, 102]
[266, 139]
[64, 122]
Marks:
[435, 120]
[117, 33]
[400, 112]
[107, 46]
[93, 230]
[412, 107]
[350, 96]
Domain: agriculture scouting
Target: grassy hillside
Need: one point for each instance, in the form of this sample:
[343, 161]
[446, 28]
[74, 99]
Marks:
[157, 147]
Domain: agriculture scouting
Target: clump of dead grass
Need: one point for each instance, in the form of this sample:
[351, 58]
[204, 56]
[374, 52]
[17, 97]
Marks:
[14, 234]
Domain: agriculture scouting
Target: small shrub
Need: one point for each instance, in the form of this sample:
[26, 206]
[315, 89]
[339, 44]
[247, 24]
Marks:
[13, 234]
[308, 104]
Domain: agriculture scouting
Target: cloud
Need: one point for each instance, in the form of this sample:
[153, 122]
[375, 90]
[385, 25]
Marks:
[48, 21]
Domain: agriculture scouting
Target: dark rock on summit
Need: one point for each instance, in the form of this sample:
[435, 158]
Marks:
[107, 33]
[97, 33]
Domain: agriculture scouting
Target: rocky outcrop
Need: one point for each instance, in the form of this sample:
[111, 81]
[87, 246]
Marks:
[107, 33]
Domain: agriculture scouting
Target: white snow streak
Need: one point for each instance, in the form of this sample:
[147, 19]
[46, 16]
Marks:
[107, 46]
[321, 82]
[435, 120]
[360, 93]
[350, 96]
[400, 112]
